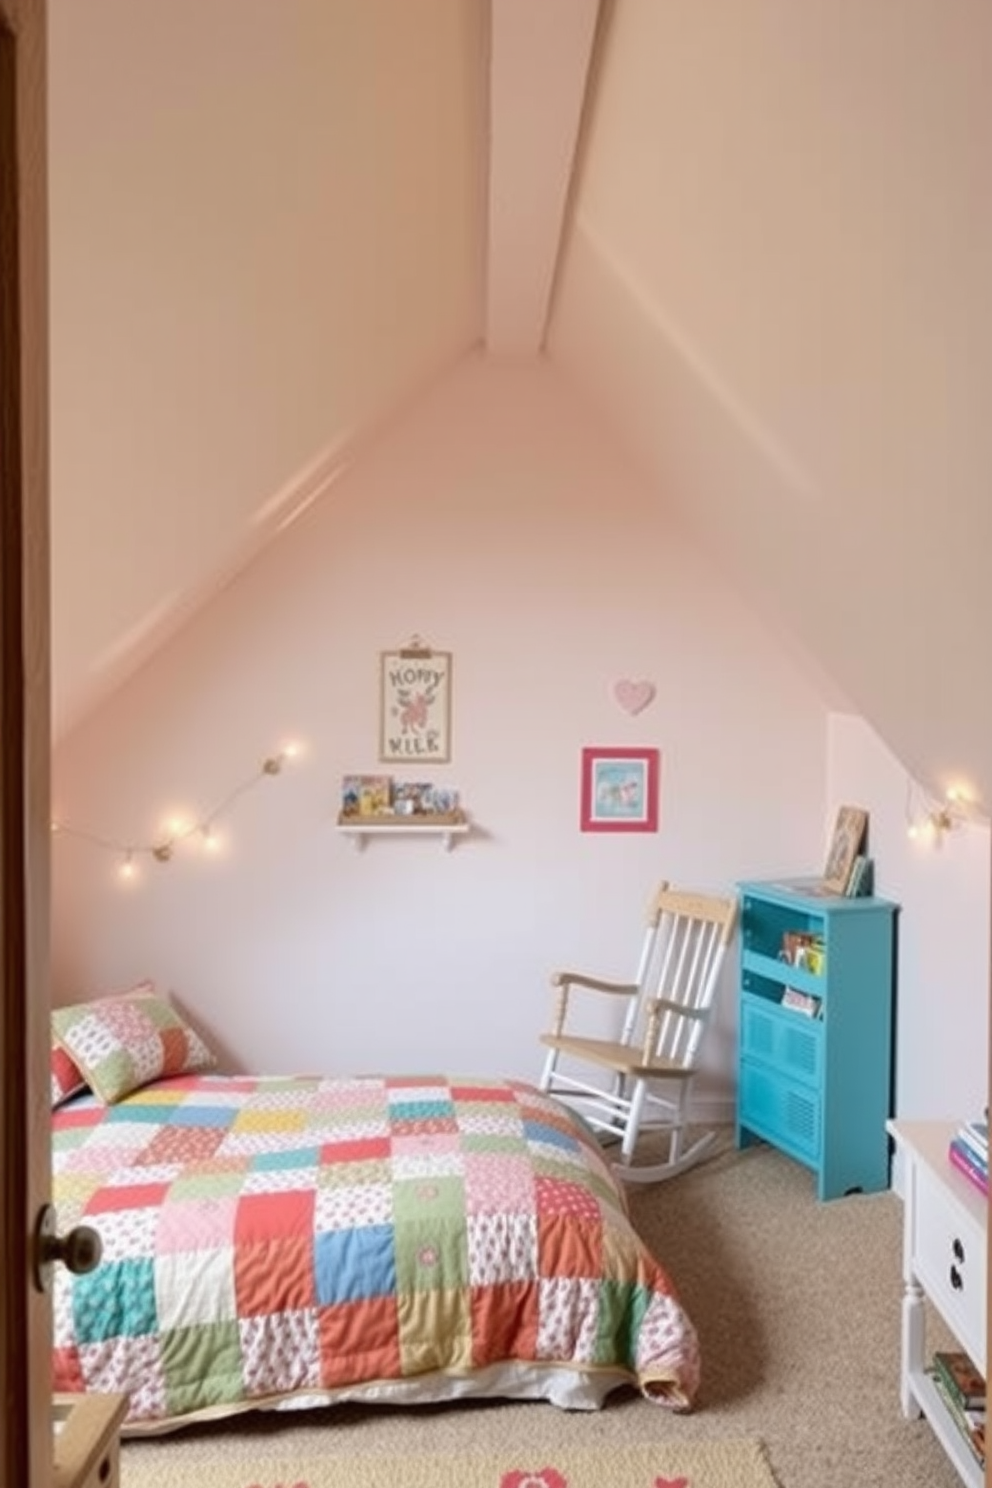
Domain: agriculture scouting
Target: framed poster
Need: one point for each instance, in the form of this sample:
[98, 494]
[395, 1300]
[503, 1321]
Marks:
[849, 833]
[415, 705]
[619, 791]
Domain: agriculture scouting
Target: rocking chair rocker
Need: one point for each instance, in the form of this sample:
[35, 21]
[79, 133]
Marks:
[668, 1008]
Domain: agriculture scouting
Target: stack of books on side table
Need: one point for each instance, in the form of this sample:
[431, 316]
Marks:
[962, 1390]
[969, 1152]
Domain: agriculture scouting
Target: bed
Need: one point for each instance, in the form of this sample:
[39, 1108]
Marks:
[273, 1241]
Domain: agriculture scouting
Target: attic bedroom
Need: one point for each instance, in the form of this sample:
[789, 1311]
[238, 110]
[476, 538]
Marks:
[632, 360]
[548, 343]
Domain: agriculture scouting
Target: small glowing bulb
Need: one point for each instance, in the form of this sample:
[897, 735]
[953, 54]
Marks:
[127, 868]
[211, 842]
[290, 750]
[912, 830]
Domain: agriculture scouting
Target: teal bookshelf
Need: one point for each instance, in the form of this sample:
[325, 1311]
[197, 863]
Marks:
[818, 1087]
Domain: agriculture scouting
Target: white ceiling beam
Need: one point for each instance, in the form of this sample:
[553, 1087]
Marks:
[541, 51]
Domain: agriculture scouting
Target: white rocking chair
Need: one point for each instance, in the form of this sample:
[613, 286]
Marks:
[668, 1008]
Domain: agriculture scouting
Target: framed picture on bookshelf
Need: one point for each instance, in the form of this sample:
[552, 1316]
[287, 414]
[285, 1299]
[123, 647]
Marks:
[619, 790]
[845, 845]
[415, 705]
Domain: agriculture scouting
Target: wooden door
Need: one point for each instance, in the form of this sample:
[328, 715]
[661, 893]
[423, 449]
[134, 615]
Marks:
[25, 1115]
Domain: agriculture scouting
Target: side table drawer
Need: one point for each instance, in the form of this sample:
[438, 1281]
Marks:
[783, 1111]
[949, 1259]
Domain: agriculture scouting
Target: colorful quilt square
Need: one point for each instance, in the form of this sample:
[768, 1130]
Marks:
[192, 1296]
[493, 1136]
[567, 1246]
[436, 1331]
[202, 1365]
[431, 1255]
[548, 1134]
[479, 1093]
[622, 1306]
[203, 1116]
[569, 1316]
[273, 1275]
[502, 1248]
[417, 1111]
[498, 1183]
[427, 1157]
[181, 1144]
[134, 1233]
[197, 1223]
[254, 1119]
[352, 1174]
[210, 1180]
[114, 1301]
[355, 1150]
[69, 1370]
[128, 1196]
[280, 1353]
[505, 1322]
[353, 1206]
[359, 1341]
[131, 1367]
[102, 1162]
[430, 1198]
[267, 1217]
[292, 1160]
[565, 1196]
[350, 1265]
[274, 1177]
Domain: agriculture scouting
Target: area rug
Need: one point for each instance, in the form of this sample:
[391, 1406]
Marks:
[717, 1464]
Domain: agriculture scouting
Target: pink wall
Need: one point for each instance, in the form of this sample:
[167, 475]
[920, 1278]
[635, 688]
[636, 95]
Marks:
[499, 525]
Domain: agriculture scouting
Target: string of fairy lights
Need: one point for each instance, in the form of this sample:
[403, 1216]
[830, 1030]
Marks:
[203, 830]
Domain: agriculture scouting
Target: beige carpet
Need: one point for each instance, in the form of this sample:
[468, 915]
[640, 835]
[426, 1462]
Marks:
[798, 1310]
[716, 1464]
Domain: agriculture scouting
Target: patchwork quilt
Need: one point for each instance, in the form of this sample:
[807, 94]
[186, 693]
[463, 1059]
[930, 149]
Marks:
[267, 1238]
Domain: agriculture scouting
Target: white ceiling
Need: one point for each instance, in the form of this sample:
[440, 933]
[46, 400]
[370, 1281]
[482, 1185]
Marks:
[756, 234]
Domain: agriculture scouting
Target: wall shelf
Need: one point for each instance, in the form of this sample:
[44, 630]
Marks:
[445, 825]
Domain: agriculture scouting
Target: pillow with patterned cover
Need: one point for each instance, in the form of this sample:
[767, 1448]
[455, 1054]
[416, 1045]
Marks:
[124, 1042]
[67, 1077]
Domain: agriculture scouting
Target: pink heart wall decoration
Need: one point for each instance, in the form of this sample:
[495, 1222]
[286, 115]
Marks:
[633, 697]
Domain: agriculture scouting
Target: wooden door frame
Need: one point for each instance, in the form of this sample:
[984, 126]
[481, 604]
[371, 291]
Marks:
[25, 1100]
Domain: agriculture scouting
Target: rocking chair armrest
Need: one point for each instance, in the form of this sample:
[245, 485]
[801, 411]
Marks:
[654, 1009]
[566, 980]
[659, 1005]
[593, 984]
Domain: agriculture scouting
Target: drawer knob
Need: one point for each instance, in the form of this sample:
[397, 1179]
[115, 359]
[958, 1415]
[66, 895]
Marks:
[958, 1250]
[956, 1281]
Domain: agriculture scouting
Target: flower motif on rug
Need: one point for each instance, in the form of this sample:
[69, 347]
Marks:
[545, 1477]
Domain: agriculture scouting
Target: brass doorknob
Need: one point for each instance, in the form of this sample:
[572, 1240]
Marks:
[79, 1251]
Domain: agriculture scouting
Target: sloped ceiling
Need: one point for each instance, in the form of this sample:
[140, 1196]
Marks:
[755, 235]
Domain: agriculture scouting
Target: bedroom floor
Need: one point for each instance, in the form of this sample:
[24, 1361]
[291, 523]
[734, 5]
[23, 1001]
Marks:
[797, 1308]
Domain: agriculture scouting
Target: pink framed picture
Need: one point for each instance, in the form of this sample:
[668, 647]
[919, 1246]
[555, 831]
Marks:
[619, 790]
